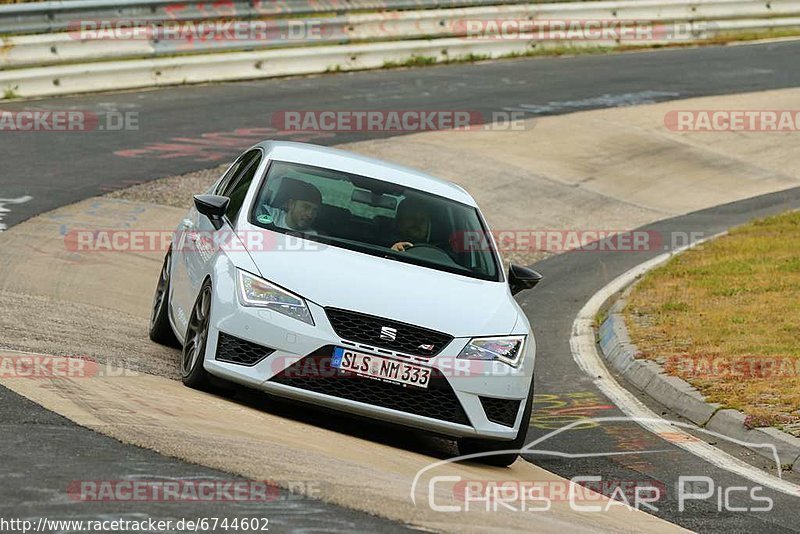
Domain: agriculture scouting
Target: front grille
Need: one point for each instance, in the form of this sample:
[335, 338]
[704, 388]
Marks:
[500, 411]
[410, 339]
[314, 373]
[231, 349]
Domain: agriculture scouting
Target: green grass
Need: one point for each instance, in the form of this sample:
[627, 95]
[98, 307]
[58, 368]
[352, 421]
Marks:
[735, 300]
[10, 93]
[413, 61]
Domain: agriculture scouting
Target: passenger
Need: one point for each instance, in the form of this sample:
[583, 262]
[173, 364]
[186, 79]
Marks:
[299, 212]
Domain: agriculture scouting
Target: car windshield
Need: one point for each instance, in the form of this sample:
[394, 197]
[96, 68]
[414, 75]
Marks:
[375, 217]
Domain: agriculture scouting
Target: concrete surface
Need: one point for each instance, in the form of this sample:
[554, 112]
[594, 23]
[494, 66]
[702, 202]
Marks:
[96, 304]
[732, 423]
[165, 416]
[46, 457]
[610, 168]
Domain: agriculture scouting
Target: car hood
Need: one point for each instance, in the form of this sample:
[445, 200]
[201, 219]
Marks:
[341, 278]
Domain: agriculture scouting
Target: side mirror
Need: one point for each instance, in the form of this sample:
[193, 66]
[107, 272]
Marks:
[521, 278]
[213, 207]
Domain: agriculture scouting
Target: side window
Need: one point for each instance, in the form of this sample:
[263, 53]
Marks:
[237, 189]
[239, 165]
[223, 183]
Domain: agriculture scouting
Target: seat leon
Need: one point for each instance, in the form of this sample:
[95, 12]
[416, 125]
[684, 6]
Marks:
[346, 282]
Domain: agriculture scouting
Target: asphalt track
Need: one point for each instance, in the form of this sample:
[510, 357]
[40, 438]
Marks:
[569, 281]
[45, 454]
[57, 169]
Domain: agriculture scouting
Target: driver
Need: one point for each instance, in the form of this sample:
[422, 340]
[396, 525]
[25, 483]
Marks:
[412, 225]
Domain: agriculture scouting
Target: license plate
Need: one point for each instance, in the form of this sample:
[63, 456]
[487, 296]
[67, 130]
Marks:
[381, 368]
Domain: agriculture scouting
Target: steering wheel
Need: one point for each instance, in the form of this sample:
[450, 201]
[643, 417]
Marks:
[428, 251]
[422, 245]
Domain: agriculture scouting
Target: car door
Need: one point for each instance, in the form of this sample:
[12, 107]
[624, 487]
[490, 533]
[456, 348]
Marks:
[186, 266]
[207, 240]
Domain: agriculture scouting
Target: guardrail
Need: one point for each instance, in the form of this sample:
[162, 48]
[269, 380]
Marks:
[55, 16]
[71, 62]
[50, 49]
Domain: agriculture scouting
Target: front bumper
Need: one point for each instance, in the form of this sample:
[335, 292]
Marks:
[289, 358]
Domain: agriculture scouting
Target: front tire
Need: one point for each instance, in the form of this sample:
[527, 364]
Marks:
[474, 446]
[193, 373]
[160, 329]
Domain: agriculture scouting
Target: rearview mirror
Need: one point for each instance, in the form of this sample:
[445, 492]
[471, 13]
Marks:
[521, 278]
[376, 200]
[213, 207]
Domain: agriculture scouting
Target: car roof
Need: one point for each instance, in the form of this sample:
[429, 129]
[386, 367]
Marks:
[340, 160]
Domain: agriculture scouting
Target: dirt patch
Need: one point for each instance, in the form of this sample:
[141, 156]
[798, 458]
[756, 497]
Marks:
[116, 338]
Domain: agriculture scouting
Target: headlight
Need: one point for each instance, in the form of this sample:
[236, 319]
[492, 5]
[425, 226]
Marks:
[257, 292]
[507, 349]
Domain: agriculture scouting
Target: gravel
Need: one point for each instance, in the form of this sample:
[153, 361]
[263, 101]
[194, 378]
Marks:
[176, 191]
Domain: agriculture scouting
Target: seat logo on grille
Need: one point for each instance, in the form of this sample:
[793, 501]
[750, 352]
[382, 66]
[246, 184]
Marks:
[388, 333]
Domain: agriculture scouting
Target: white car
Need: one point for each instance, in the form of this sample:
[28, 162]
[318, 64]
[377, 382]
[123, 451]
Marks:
[347, 282]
